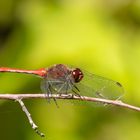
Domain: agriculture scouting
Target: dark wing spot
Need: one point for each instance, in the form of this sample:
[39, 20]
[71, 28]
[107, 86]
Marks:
[119, 84]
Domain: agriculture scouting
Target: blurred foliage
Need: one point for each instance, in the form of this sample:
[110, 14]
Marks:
[100, 36]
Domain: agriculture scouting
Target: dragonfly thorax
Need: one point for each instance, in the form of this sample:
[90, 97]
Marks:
[60, 79]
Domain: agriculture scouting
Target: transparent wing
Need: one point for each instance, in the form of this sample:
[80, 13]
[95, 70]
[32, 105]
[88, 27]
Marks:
[54, 86]
[44, 86]
[97, 86]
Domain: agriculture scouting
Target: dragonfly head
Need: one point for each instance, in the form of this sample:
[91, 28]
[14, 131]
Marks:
[77, 75]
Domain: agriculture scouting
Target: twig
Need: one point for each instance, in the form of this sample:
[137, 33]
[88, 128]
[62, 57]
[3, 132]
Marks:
[33, 125]
[20, 97]
[68, 97]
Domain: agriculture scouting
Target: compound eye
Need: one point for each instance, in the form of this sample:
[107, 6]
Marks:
[77, 75]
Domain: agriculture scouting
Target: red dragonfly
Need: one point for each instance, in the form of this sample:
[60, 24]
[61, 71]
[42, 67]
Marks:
[62, 79]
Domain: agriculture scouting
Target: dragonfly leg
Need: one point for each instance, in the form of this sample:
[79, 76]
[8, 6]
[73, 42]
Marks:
[56, 102]
[46, 89]
[73, 85]
[50, 93]
[75, 93]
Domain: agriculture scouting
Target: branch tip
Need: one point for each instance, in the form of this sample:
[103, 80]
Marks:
[33, 125]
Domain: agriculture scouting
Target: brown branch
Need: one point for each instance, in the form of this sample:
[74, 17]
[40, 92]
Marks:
[20, 97]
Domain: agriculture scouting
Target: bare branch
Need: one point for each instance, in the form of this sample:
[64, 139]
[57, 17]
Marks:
[20, 97]
[33, 125]
[68, 97]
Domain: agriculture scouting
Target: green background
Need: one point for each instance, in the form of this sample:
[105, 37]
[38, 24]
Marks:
[101, 36]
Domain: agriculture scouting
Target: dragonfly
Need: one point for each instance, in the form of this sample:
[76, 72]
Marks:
[63, 79]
